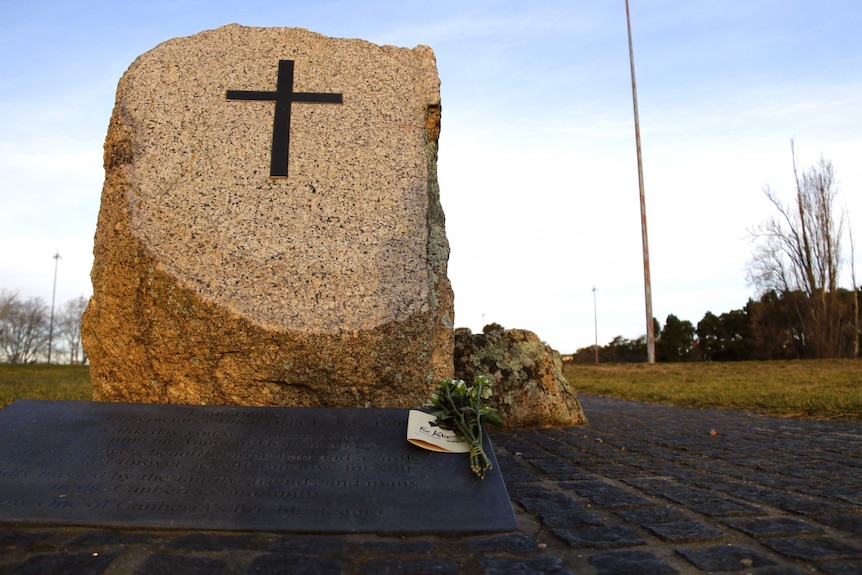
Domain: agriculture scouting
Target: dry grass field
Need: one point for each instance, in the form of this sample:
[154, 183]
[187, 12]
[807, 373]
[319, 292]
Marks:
[39, 381]
[814, 389]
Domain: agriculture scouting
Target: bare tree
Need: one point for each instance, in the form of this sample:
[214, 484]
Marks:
[799, 250]
[855, 293]
[23, 327]
[68, 324]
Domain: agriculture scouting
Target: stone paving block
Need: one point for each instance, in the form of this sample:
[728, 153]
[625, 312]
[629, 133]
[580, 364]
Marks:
[685, 476]
[613, 471]
[706, 465]
[778, 479]
[685, 531]
[215, 542]
[293, 565]
[725, 558]
[545, 443]
[649, 485]
[510, 542]
[545, 565]
[162, 563]
[567, 518]
[777, 570]
[688, 495]
[813, 548]
[561, 470]
[308, 545]
[527, 491]
[398, 547]
[721, 485]
[727, 508]
[841, 567]
[784, 500]
[652, 515]
[774, 527]
[524, 449]
[748, 492]
[112, 538]
[557, 510]
[850, 494]
[851, 523]
[417, 567]
[22, 539]
[604, 495]
[630, 562]
[648, 453]
[801, 505]
[513, 471]
[605, 537]
[85, 563]
[560, 433]
[517, 446]
[529, 498]
[549, 438]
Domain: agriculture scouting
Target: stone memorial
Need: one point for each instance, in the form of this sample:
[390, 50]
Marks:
[237, 468]
[270, 230]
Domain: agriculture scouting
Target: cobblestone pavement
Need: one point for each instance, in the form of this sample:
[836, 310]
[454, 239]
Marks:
[642, 489]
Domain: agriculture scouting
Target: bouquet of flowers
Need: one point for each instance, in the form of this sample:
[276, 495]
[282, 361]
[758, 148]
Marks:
[458, 407]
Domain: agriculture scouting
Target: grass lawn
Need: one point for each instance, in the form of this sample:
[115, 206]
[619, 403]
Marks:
[814, 389]
[40, 381]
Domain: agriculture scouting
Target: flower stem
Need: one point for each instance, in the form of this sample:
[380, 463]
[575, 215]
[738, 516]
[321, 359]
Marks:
[460, 407]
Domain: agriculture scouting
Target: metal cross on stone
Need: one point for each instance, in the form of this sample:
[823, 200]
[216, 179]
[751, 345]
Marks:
[283, 97]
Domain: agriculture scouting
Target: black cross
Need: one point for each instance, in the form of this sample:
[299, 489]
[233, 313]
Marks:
[283, 97]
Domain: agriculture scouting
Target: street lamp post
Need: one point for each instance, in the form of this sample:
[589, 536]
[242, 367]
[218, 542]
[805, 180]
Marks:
[596, 324]
[53, 300]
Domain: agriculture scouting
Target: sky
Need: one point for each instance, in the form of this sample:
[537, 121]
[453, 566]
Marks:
[537, 161]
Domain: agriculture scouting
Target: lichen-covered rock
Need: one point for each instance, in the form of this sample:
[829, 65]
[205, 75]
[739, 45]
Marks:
[214, 283]
[529, 387]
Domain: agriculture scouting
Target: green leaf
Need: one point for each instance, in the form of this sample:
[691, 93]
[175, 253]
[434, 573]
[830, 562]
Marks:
[493, 417]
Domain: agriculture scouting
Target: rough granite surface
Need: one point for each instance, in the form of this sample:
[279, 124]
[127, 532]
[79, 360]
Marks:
[530, 389]
[216, 284]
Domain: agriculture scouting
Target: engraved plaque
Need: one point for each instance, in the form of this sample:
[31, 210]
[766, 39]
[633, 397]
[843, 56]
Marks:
[236, 468]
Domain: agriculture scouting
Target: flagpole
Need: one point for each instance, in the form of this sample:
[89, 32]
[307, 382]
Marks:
[647, 286]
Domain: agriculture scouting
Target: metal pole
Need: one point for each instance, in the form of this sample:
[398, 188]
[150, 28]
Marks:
[596, 324]
[647, 286]
[53, 299]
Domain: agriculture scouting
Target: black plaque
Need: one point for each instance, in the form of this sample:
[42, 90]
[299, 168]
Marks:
[236, 468]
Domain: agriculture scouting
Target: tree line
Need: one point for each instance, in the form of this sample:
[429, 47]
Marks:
[30, 333]
[764, 329]
[797, 258]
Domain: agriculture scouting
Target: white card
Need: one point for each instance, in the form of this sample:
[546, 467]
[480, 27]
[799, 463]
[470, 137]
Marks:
[422, 430]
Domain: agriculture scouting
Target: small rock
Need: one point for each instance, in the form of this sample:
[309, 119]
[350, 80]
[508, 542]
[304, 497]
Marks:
[529, 387]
